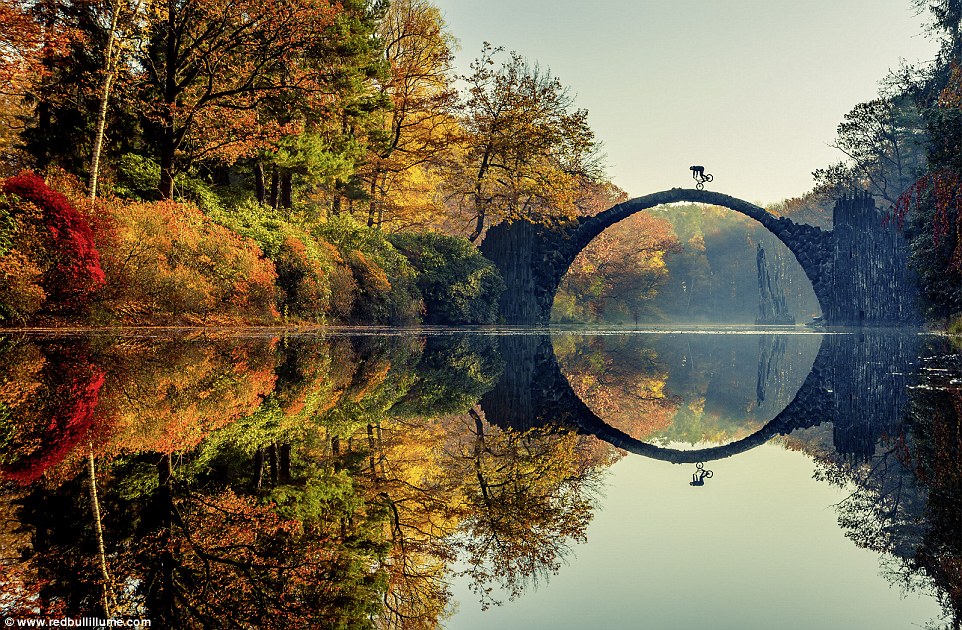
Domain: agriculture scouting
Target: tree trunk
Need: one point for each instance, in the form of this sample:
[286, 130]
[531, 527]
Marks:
[168, 139]
[167, 152]
[258, 468]
[272, 457]
[99, 134]
[336, 202]
[372, 204]
[287, 189]
[259, 184]
[110, 68]
[275, 188]
[478, 451]
[478, 227]
[164, 603]
[285, 453]
[478, 197]
[372, 450]
[336, 452]
[99, 531]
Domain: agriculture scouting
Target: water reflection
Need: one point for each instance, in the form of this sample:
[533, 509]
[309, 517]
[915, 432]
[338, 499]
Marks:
[857, 382]
[344, 480]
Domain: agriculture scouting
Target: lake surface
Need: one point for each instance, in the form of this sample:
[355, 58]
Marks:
[724, 478]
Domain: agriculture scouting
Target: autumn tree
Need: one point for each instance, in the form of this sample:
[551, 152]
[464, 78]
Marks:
[623, 268]
[529, 496]
[54, 83]
[526, 149]
[328, 132]
[210, 63]
[22, 39]
[420, 128]
[22, 42]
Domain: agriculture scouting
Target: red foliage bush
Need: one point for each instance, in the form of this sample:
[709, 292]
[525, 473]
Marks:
[71, 401]
[76, 272]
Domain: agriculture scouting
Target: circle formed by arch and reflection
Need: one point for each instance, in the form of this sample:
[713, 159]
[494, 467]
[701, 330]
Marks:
[802, 411]
[533, 392]
[648, 380]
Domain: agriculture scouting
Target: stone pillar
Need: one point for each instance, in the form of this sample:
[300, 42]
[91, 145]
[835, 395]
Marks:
[873, 282]
[510, 246]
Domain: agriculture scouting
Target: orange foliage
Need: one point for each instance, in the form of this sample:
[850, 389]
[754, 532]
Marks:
[23, 44]
[623, 266]
[215, 62]
[638, 406]
[20, 374]
[169, 397]
[20, 292]
[168, 262]
[305, 277]
[370, 277]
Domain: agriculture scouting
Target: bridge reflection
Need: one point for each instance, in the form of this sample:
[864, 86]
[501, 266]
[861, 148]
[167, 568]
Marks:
[858, 383]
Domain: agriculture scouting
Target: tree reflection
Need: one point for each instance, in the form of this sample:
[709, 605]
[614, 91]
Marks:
[620, 380]
[936, 460]
[273, 482]
[343, 481]
[906, 498]
[532, 496]
[306, 553]
[47, 400]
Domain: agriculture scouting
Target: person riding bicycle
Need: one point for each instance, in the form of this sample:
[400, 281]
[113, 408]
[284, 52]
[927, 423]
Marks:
[700, 176]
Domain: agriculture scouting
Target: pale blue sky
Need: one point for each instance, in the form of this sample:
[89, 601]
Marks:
[752, 89]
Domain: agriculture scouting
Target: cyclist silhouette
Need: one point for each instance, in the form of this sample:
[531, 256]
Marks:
[700, 176]
[700, 474]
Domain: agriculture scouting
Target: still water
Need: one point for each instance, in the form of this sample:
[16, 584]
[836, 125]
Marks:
[475, 479]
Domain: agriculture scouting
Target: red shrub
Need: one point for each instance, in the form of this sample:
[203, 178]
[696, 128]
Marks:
[76, 272]
[70, 408]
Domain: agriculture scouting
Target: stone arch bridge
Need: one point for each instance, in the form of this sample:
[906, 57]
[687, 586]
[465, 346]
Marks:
[859, 270]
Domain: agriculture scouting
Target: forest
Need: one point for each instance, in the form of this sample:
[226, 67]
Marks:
[222, 162]
[215, 163]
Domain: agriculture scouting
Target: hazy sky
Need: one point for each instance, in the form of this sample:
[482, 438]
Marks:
[751, 89]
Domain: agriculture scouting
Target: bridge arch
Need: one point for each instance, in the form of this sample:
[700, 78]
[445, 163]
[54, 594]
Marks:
[535, 258]
[812, 397]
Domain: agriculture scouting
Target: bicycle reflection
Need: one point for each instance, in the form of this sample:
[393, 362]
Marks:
[700, 475]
